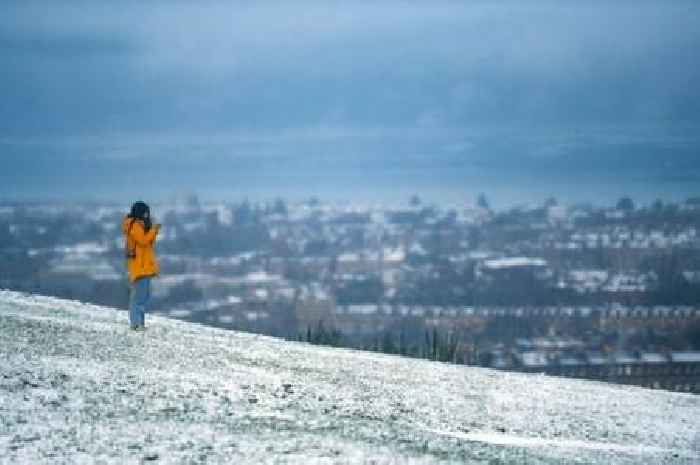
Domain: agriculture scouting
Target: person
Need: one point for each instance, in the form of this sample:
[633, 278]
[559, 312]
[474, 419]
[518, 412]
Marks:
[139, 241]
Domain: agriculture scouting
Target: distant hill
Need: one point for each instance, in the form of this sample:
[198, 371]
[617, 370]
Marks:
[76, 386]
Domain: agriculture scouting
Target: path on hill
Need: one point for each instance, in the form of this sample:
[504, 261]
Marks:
[76, 386]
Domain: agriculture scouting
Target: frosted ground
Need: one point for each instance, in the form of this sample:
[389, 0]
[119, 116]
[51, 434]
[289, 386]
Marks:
[76, 386]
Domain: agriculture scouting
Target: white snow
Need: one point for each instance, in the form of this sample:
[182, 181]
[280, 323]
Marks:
[513, 262]
[260, 277]
[349, 257]
[394, 255]
[76, 386]
[362, 309]
[82, 249]
[687, 357]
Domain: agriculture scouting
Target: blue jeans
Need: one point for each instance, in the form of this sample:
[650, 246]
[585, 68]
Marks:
[140, 298]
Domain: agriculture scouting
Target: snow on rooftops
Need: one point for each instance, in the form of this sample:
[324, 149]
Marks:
[480, 254]
[227, 301]
[513, 262]
[570, 360]
[97, 269]
[534, 359]
[285, 293]
[549, 343]
[652, 357]
[261, 294]
[630, 282]
[232, 299]
[226, 319]
[252, 316]
[686, 357]
[361, 309]
[500, 360]
[314, 291]
[175, 279]
[394, 255]
[417, 249]
[692, 276]
[624, 358]
[597, 358]
[260, 277]
[206, 279]
[349, 257]
[418, 311]
[217, 261]
[193, 226]
[180, 313]
[593, 276]
[82, 248]
[247, 255]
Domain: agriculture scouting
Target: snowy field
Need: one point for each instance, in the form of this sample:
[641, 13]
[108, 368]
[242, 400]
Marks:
[77, 387]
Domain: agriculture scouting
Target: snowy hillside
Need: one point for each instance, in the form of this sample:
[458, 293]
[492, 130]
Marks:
[76, 386]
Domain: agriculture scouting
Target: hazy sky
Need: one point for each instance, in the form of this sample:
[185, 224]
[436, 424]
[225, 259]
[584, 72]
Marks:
[98, 96]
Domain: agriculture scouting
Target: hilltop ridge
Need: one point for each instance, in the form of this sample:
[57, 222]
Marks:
[77, 386]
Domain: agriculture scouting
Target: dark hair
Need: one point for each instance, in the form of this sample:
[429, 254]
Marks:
[140, 211]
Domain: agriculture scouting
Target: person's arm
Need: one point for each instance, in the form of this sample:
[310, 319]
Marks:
[141, 237]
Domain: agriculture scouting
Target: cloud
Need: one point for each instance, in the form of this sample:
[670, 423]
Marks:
[216, 65]
[307, 83]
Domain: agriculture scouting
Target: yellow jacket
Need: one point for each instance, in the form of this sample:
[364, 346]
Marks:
[141, 261]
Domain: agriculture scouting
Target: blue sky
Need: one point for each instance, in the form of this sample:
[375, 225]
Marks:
[278, 91]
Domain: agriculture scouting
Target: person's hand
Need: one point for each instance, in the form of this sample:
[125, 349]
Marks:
[157, 226]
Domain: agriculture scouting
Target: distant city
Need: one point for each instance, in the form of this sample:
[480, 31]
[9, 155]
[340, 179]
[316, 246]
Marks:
[608, 293]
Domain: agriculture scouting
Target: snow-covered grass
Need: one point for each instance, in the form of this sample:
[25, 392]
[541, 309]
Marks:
[76, 386]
